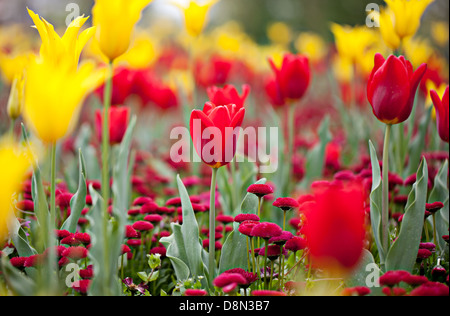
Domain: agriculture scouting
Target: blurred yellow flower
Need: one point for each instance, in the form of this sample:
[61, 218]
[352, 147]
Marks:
[142, 53]
[353, 42]
[418, 51]
[15, 162]
[67, 49]
[279, 33]
[390, 37]
[343, 69]
[407, 15]
[196, 15]
[311, 45]
[13, 64]
[16, 97]
[115, 21]
[439, 32]
[440, 91]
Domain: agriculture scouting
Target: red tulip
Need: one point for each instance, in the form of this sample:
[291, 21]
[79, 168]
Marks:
[151, 90]
[334, 226]
[216, 149]
[118, 120]
[293, 77]
[228, 95]
[273, 92]
[123, 81]
[392, 87]
[442, 109]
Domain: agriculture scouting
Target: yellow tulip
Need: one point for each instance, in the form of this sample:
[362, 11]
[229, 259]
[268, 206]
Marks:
[311, 45]
[115, 21]
[15, 162]
[15, 101]
[54, 96]
[439, 32]
[390, 37]
[67, 49]
[142, 53]
[55, 85]
[418, 51]
[196, 15]
[353, 42]
[12, 65]
[407, 15]
[279, 33]
[440, 91]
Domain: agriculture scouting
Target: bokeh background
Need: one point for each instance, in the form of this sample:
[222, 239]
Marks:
[254, 16]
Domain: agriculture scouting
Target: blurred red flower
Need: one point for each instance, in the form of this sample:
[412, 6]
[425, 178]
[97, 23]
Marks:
[118, 123]
[294, 76]
[334, 226]
[442, 113]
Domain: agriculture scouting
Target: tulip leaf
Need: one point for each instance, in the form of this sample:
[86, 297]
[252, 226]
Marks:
[440, 194]
[234, 250]
[417, 145]
[183, 247]
[105, 281]
[366, 273]
[121, 185]
[176, 252]
[18, 282]
[376, 201]
[78, 201]
[403, 252]
[105, 261]
[20, 240]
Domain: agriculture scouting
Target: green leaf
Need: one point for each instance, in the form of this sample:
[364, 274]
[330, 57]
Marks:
[234, 250]
[18, 282]
[403, 252]
[363, 273]
[184, 244]
[190, 232]
[121, 175]
[143, 276]
[417, 145]
[105, 281]
[440, 194]
[376, 201]
[78, 201]
[20, 239]
[174, 251]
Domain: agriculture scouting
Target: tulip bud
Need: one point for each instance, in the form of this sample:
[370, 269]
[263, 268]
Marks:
[15, 101]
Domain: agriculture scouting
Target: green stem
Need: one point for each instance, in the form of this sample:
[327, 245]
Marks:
[248, 255]
[385, 191]
[212, 225]
[11, 127]
[105, 137]
[290, 121]
[252, 245]
[434, 232]
[265, 262]
[105, 164]
[53, 187]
